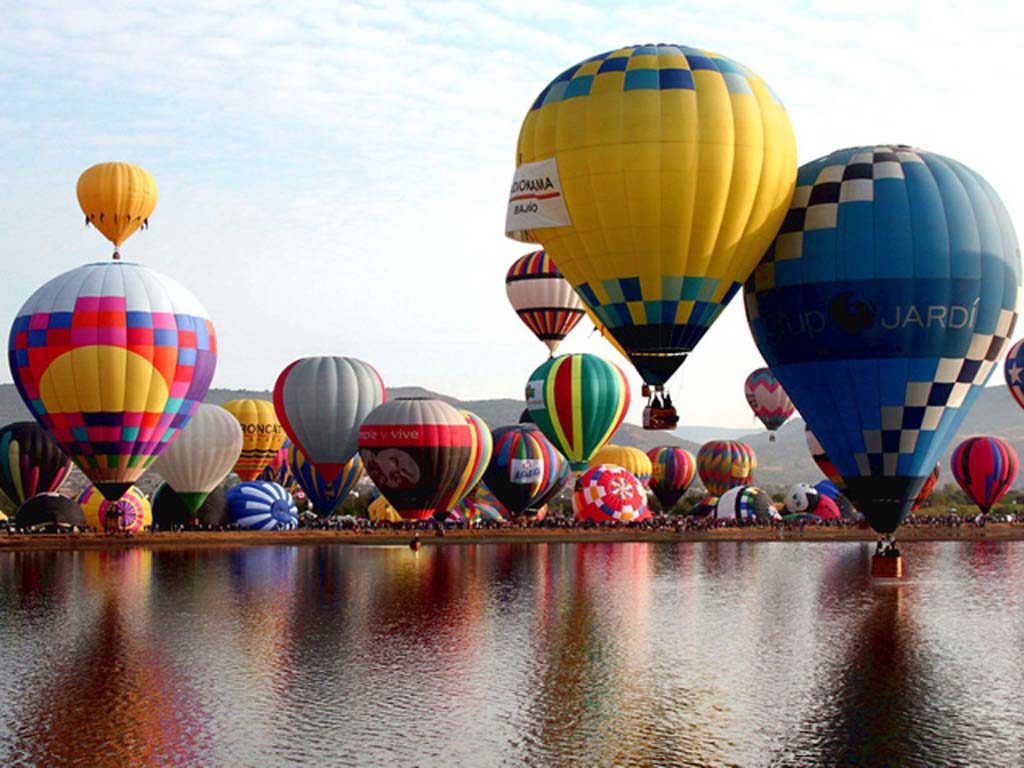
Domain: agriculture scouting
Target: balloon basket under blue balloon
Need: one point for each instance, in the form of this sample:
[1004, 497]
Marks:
[887, 567]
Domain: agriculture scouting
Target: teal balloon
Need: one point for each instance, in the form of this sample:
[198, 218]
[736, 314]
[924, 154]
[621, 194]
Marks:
[882, 306]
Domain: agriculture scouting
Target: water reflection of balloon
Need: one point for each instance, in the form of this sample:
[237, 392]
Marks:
[882, 306]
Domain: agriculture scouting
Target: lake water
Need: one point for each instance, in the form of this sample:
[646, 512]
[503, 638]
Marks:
[724, 653]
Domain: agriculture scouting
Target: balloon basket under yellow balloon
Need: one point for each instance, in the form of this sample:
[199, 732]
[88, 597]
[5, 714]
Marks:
[887, 567]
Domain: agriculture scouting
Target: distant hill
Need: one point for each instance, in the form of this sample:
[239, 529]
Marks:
[780, 463]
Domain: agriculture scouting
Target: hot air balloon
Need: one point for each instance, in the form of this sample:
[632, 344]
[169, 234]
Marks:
[655, 176]
[482, 447]
[672, 471]
[984, 467]
[112, 359]
[705, 507]
[322, 402]
[49, 511]
[257, 505]
[262, 435]
[1013, 370]
[202, 456]
[278, 471]
[725, 464]
[524, 468]
[170, 510]
[577, 401]
[481, 504]
[882, 306]
[117, 199]
[768, 400]
[379, 510]
[323, 494]
[746, 503]
[131, 512]
[30, 462]
[927, 488]
[607, 492]
[542, 298]
[828, 469]
[415, 449]
[633, 460]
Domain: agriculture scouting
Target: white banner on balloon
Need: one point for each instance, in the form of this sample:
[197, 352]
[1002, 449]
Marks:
[535, 200]
[526, 471]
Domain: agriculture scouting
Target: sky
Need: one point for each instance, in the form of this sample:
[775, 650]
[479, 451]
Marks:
[333, 176]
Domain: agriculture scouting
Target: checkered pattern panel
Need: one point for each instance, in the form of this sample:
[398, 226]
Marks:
[646, 68]
[816, 201]
[928, 402]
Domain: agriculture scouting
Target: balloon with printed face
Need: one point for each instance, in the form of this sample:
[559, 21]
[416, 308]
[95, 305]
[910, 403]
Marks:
[325, 495]
[984, 467]
[416, 449]
[542, 298]
[321, 403]
[631, 459]
[655, 176]
[262, 435]
[672, 472]
[117, 199]
[112, 359]
[882, 306]
[30, 462]
[607, 492]
[767, 399]
[577, 401]
[202, 456]
[725, 464]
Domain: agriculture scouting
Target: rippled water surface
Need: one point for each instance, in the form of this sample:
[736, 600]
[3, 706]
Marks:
[728, 653]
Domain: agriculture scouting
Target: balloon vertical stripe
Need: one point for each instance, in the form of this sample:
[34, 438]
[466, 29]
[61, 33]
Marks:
[984, 467]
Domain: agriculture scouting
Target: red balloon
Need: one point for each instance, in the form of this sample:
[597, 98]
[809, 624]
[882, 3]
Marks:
[984, 467]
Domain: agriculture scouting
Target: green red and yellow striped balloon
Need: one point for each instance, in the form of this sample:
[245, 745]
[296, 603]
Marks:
[578, 401]
[482, 445]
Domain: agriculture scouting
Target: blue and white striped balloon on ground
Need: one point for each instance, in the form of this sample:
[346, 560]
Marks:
[259, 505]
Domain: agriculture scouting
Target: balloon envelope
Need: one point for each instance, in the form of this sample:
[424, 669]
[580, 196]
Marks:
[607, 492]
[672, 472]
[116, 198]
[262, 435]
[655, 177]
[725, 464]
[542, 298]
[984, 467]
[112, 359]
[577, 401]
[170, 510]
[631, 459]
[323, 494]
[1013, 371]
[49, 510]
[767, 399]
[131, 512]
[31, 462]
[321, 403]
[882, 306]
[415, 450]
[261, 506]
[201, 457]
[524, 468]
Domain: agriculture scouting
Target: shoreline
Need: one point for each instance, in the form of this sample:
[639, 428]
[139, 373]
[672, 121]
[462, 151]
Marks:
[233, 539]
